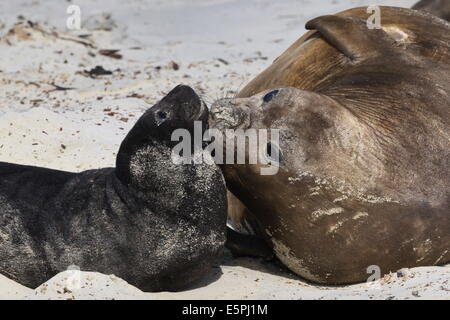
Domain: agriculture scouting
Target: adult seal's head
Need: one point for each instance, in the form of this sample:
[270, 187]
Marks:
[363, 167]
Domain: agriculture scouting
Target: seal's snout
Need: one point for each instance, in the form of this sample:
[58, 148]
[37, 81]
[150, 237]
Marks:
[229, 114]
[182, 94]
[182, 103]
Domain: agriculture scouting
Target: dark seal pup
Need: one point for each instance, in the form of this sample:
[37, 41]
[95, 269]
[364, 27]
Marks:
[364, 149]
[157, 225]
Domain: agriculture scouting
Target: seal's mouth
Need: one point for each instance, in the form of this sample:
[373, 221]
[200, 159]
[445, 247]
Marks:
[229, 114]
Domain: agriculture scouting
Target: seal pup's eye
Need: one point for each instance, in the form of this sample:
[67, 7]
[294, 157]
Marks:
[161, 115]
[273, 153]
[269, 96]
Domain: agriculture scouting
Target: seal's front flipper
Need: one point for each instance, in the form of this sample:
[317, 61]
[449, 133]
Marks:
[244, 245]
[352, 36]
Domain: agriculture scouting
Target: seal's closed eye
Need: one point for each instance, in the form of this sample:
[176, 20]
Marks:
[269, 96]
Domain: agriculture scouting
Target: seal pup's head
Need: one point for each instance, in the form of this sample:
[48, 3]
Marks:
[151, 136]
[182, 207]
[146, 163]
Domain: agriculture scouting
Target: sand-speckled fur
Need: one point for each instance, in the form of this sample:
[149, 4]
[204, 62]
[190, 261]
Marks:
[158, 225]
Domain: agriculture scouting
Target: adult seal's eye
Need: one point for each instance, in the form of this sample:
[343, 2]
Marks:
[273, 153]
[269, 96]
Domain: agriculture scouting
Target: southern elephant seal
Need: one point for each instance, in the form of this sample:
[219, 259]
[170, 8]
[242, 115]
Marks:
[157, 225]
[364, 143]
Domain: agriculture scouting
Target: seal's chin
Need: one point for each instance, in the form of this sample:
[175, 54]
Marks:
[226, 114]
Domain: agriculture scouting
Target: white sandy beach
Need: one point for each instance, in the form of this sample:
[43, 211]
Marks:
[54, 114]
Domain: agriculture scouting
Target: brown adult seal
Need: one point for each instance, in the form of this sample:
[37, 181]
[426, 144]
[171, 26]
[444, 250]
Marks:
[364, 144]
[312, 62]
[315, 60]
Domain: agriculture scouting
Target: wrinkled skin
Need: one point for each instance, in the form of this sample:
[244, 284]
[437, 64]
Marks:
[365, 146]
[157, 225]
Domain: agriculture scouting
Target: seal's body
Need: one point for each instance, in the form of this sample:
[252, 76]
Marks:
[156, 224]
[364, 152]
[313, 62]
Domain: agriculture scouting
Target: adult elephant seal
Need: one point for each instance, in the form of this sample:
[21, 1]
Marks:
[313, 62]
[363, 169]
[158, 225]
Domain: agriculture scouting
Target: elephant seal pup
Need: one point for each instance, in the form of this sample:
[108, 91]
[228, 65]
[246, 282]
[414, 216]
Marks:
[157, 225]
[363, 174]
